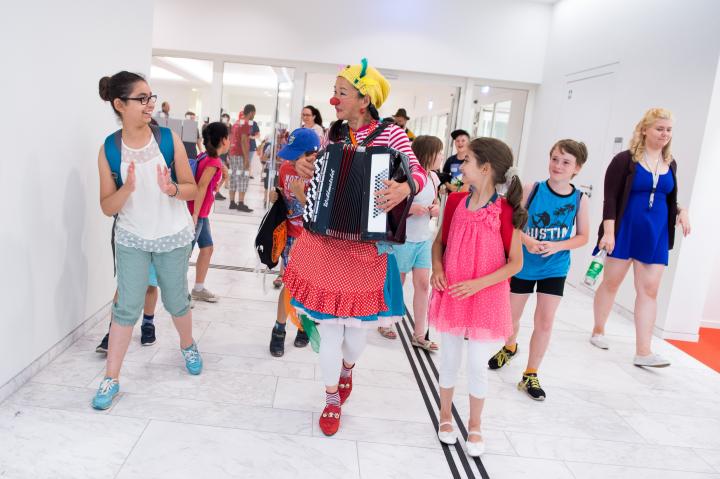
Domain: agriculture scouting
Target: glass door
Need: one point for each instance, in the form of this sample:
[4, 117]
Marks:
[269, 90]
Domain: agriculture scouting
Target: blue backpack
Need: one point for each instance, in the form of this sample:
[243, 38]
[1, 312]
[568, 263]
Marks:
[163, 137]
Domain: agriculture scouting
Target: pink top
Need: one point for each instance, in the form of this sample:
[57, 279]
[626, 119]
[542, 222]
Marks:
[474, 249]
[205, 161]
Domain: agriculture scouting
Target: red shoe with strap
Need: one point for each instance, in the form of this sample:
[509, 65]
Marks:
[330, 419]
[345, 388]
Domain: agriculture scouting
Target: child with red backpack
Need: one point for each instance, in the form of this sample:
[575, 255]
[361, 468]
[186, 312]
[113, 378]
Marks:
[481, 251]
[208, 175]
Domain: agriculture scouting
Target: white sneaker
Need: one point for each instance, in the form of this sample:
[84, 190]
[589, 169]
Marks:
[204, 295]
[599, 341]
[447, 437]
[475, 449]
[651, 361]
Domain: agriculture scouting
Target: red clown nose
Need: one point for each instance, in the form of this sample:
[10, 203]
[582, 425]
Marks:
[334, 101]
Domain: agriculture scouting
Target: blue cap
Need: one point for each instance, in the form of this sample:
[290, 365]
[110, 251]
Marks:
[300, 142]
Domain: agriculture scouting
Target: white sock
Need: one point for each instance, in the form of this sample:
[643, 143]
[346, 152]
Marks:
[199, 286]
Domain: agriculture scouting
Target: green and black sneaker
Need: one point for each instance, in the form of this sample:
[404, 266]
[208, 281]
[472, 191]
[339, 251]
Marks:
[501, 358]
[531, 385]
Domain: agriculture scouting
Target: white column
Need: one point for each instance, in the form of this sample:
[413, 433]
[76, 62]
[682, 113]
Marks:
[215, 102]
[692, 284]
[298, 97]
[466, 107]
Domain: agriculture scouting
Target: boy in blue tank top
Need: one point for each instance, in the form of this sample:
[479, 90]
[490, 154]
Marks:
[554, 207]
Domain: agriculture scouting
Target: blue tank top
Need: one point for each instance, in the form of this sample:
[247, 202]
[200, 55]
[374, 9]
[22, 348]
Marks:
[551, 217]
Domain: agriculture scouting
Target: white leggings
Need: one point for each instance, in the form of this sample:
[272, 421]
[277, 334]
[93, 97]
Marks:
[477, 357]
[338, 342]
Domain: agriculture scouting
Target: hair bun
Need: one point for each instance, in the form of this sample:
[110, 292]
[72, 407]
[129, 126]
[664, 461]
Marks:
[104, 88]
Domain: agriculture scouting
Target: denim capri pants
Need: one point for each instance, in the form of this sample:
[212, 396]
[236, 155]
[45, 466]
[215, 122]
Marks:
[132, 281]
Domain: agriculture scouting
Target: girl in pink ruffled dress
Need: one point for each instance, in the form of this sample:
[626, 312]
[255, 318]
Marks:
[473, 259]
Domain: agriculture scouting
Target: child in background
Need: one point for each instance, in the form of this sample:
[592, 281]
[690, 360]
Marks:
[303, 143]
[470, 277]
[415, 254]
[554, 206]
[209, 172]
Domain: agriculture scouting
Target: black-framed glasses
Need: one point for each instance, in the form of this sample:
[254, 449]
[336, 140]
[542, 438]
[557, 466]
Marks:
[144, 100]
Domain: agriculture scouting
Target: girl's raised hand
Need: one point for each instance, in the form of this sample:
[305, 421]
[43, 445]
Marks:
[465, 289]
[129, 182]
[438, 280]
[164, 181]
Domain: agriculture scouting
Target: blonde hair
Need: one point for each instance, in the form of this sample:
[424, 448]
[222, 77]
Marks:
[637, 144]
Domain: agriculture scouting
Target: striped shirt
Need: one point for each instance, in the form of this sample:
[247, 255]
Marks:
[392, 137]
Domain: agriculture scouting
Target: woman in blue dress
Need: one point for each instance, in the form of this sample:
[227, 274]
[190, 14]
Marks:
[640, 212]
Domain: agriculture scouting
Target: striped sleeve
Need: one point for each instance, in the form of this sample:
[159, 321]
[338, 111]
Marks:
[398, 140]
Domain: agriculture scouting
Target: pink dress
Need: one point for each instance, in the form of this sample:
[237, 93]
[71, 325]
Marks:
[474, 249]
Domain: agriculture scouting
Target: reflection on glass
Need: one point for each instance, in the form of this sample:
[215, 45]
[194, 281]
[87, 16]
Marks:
[184, 84]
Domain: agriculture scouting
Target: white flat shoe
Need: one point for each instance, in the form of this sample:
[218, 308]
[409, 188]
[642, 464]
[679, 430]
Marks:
[475, 449]
[447, 437]
[599, 341]
[651, 361]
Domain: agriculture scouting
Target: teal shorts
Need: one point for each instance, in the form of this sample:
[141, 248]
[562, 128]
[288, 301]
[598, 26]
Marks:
[133, 279]
[413, 255]
[152, 279]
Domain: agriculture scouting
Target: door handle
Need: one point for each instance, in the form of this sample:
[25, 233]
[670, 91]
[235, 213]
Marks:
[587, 189]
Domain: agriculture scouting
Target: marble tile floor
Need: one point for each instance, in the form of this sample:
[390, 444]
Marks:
[250, 415]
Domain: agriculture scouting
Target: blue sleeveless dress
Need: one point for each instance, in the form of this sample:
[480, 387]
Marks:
[643, 233]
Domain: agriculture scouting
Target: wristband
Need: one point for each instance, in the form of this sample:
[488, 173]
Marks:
[177, 190]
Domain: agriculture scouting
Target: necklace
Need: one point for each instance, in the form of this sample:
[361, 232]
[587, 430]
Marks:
[656, 178]
[352, 138]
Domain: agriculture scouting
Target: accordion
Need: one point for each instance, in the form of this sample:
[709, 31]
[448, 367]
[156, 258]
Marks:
[341, 199]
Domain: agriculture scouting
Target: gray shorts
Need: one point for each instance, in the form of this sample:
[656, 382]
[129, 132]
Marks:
[239, 176]
[132, 281]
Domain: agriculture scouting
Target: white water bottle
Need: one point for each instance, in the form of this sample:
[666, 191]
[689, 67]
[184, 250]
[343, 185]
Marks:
[596, 266]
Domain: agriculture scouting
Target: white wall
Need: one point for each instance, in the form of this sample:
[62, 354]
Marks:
[481, 38]
[711, 308]
[694, 299]
[55, 246]
[665, 54]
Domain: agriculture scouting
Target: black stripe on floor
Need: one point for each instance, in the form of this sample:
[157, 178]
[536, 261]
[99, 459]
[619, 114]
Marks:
[428, 404]
[456, 415]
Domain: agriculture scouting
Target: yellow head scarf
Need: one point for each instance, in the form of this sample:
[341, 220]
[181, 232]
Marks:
[368, 81]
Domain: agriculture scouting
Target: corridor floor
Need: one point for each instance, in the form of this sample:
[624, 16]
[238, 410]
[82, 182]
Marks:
[250, 415]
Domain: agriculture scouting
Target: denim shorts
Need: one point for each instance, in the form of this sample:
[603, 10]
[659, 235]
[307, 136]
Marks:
[286, 251]
[203, 235]
[413, 255]
[132, 281]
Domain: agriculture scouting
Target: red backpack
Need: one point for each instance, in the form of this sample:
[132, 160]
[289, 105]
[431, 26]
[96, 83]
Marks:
[506, 215]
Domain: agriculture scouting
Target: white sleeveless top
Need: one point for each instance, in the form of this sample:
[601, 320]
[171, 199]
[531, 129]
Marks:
[417, 227]
[150, 220]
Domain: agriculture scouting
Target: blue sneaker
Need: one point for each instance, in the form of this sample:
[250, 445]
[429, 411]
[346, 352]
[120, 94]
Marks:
[193, 361]
[109, 388]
